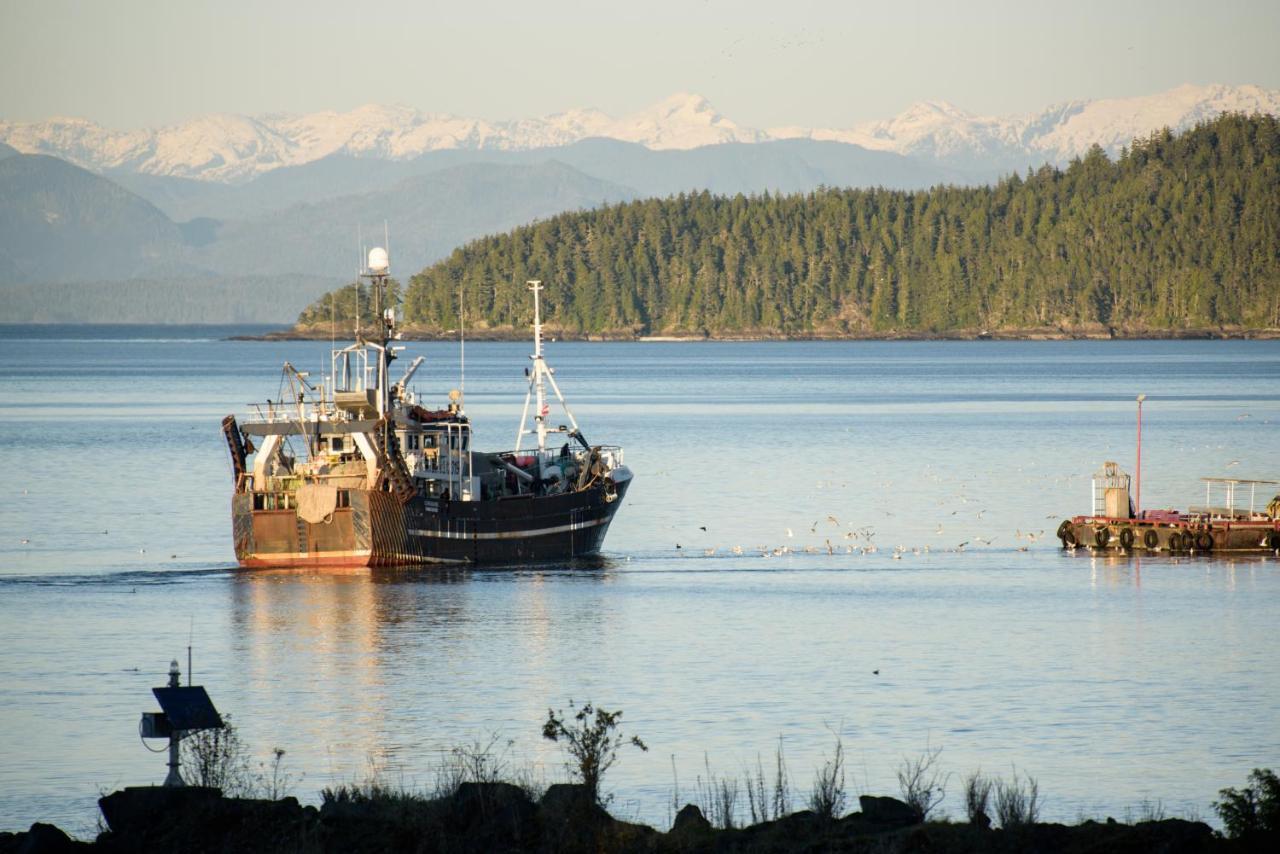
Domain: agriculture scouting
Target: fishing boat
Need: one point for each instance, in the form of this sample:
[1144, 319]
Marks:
[1226, 522]
[354, 470]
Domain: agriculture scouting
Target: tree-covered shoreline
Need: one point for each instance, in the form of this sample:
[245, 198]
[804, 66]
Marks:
[1179, 237]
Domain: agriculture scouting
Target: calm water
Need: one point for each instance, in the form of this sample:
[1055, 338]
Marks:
[1111, 681]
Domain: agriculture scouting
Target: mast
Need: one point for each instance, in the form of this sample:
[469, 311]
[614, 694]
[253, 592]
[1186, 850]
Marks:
[539, 377]
[539, 367]
[462, 351]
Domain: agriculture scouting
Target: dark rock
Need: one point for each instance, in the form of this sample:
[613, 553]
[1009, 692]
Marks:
[487, 798]
[573, 822]
[690, 822]
[1170, 836]
[140, 809]
[565, 801]
[47, 839]
[493, 816]
[802, 830]
[887, 812]
[195, 819]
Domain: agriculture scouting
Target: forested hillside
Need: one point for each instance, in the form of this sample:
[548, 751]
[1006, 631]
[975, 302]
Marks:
[1180, 233]
[60, 222]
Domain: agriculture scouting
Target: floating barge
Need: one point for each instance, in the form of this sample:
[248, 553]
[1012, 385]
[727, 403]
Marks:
[1222, 524]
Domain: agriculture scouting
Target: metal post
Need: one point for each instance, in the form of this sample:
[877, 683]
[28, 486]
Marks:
[1137, 502]
[175, 777]
[539, 369]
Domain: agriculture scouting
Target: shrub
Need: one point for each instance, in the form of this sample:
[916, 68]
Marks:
[1150, 810]
[768, 802]
[1253, 810]
[1017, 802]
[718, 797]
[921, 783]
[977, 798]
[591, 739]
[781, 787]
[218, 758]
[828, 797]
[274, 782]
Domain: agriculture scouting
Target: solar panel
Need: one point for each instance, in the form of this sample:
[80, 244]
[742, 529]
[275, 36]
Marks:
[188, 707]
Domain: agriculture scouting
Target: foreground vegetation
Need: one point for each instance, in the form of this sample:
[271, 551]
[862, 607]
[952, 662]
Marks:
[1181, 234]
[481, 803]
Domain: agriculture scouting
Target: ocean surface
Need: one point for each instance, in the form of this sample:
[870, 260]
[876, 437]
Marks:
[823, 540]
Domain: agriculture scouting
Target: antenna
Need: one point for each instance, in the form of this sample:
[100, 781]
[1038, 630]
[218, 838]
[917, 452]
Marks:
[462, 349]
[191, 632]
[359, 272]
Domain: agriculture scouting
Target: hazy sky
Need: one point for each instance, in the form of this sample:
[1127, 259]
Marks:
[129, 63]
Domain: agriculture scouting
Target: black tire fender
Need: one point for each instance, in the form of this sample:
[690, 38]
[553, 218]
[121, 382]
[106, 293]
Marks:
[1101, 536]
[1063, 528]
[1126, 538]
[1150, 538]
[1069, 538]
[1204, 541]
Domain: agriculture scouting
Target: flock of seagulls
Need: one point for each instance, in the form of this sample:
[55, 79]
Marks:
[26, 541]
[956, 513]
[862, 541]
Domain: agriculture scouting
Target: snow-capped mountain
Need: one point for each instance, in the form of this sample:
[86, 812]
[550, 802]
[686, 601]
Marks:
[941, 131]
[230, 148]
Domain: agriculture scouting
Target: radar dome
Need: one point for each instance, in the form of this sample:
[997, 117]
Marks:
[378, 262]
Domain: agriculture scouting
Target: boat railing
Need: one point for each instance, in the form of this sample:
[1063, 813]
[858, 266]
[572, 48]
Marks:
[1235, 514]
[610, 455]
[272, 412]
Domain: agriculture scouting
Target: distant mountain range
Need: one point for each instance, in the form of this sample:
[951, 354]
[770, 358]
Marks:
[64, 223]
[209, 212]
[232, 148]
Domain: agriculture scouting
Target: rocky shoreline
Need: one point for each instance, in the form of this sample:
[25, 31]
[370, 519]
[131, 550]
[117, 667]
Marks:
[1100, 333]
[502, 817]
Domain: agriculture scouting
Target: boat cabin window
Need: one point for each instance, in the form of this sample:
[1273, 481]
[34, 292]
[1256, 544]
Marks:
[337, 444]
[412, 443]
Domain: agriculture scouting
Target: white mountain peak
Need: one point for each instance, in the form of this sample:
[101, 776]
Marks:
[682, 102]
[229, 147]
[933, 108]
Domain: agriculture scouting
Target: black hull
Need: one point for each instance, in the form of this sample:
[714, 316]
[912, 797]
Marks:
[377, 530]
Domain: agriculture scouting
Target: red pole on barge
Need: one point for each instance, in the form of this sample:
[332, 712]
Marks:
[1137, 503]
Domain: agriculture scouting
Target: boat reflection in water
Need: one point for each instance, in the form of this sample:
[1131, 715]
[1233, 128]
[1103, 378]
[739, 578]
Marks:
[393, 667]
